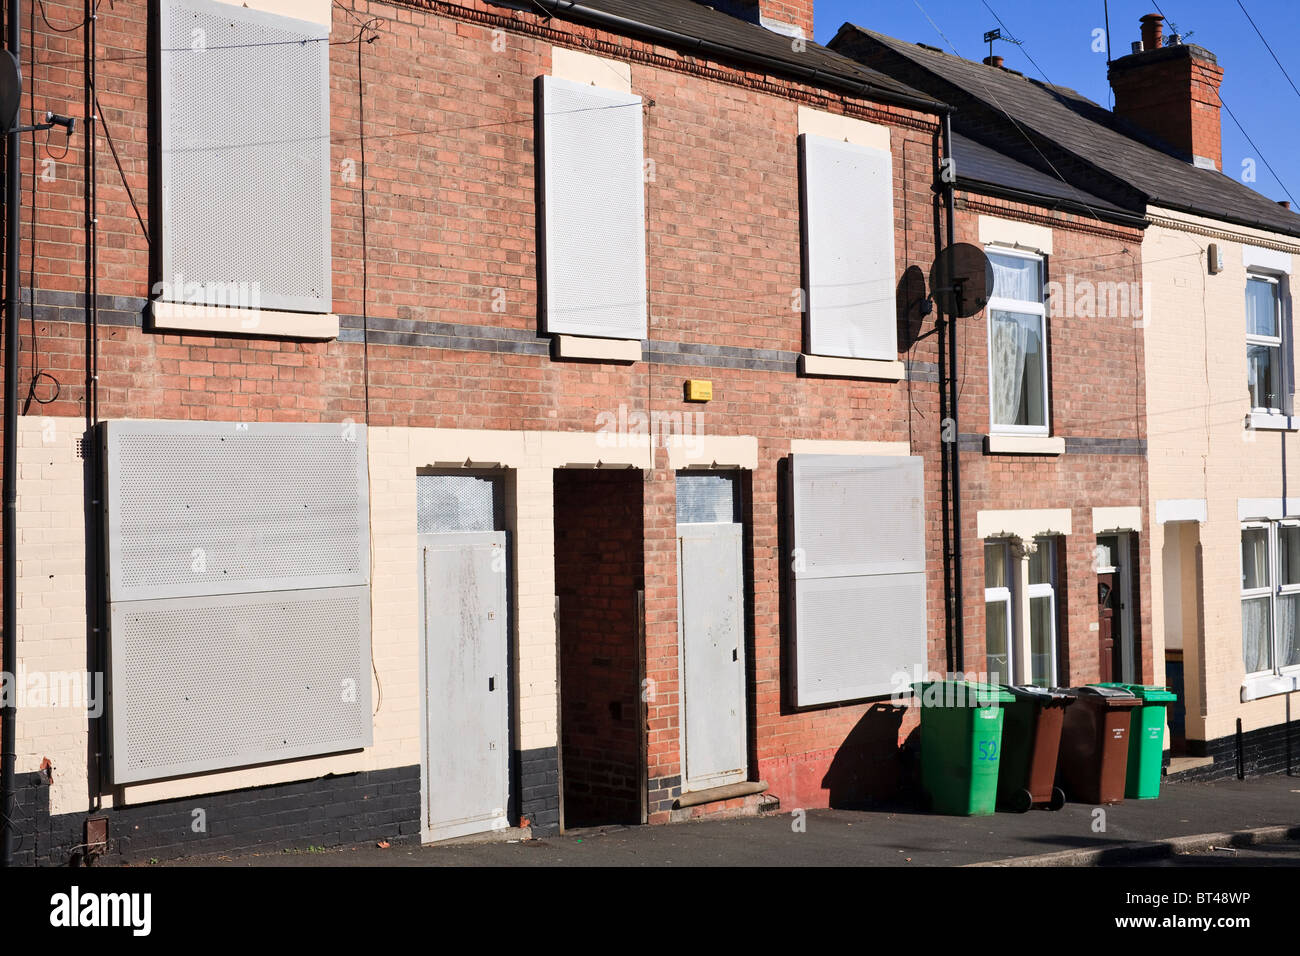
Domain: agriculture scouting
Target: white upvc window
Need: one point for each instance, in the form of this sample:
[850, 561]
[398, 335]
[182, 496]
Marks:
[999, 610]
[1265, 369]
[1020, 636]
[1042, 613]
[1270, 597]
[1017, 343]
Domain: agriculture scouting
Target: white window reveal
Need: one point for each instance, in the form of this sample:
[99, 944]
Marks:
[848, 235]
[999, 614]
[1270, 597]
[593, 211]
[858, 570]
[1017, 342]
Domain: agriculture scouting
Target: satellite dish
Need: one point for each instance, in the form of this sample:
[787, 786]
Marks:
[961, 280]
[11, 90]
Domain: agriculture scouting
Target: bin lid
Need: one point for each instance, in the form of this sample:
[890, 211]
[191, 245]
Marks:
[1147, 693]
[1115, 693]
[959, 693]
[1044, 694]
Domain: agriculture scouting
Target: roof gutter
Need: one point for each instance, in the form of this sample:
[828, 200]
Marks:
[615, 23]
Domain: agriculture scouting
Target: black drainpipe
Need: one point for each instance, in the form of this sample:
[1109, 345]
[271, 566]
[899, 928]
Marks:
[954, 456]
[9, 614]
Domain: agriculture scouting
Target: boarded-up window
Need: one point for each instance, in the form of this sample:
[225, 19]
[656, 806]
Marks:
[848, 236]
[245, 153]
[858, 570]
[593, 211]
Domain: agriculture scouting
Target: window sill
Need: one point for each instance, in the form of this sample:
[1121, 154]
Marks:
[1024, 445]
[826, 366]
[1269, 685]
[1270, 422]
[600, 350]
[253, 323]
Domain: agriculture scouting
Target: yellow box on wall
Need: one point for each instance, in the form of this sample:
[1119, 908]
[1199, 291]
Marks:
[699, 390]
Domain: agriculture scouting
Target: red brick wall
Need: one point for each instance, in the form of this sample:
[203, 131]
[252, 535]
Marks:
[1096, 388]
[451, 218]
[1174, 99]
[598, 572]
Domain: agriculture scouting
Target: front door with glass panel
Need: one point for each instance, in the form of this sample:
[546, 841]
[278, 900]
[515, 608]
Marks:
[463, 602]
[1114, 559]
[711, 628]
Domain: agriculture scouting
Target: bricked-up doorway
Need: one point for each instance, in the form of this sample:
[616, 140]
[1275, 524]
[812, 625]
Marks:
[599, 578]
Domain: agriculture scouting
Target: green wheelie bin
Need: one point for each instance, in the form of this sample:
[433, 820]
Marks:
[961, 740]
[1146, 739]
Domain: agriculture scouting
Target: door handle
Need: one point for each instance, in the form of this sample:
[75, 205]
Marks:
[492, 684]
[735, 654]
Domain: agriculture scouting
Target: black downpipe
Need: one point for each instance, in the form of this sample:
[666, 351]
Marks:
[954, 456]
[9, 614]
[1241, 753]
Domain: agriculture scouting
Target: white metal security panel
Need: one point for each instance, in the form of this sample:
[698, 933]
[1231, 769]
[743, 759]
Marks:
[711, 631]
[232, 680]
[593, 210]
[848, 224]
[219, 507]
[245, 152]
[463, 599]
[859, 574]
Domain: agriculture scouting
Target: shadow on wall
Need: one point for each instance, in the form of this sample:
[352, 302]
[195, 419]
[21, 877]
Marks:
[871, 767]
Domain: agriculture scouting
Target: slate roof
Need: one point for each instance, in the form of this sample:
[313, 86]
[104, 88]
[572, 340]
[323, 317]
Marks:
[979, 165]
[1087, 131]
[703, 23]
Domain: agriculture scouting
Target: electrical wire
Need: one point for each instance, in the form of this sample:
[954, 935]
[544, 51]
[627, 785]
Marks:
[1269, 48]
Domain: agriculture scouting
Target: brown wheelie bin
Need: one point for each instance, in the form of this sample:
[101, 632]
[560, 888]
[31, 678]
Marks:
[1031, 740]
[1094, 745]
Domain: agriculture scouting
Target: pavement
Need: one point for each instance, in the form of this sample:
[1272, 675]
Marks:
[1258, 819]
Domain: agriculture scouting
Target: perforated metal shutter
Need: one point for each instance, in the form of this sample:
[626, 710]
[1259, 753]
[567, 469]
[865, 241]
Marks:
[848, 227]
[593, 212]
[859, 574]
[707, 498]
[446, 504]
[239, 588]
[245, 154]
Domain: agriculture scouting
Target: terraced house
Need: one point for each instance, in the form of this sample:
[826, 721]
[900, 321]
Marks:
[1217, 346]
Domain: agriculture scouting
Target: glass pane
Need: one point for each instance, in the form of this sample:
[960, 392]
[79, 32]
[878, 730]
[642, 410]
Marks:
[1261, 307]
[1256, 625]
[1016, 358]
[995, 564]
[996, 623]
[1263, 366]
[1017, 278]
[1288, 630]
[1288, 555]
[1254, 558]
[1042, 637]
[1042, 561]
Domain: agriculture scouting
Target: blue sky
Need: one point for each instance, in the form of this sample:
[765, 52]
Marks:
[1059, 37]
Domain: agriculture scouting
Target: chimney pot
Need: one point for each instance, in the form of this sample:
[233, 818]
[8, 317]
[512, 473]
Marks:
[1153, 29]
[993, 61]
[1284, 203]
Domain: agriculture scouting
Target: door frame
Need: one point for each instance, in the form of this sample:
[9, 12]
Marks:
[689, 785]
[428, 834]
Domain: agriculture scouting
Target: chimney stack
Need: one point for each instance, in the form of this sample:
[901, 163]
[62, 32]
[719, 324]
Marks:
[787, 17]
[1172, 92]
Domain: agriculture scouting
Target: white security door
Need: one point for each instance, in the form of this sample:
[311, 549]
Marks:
[711, 630]
[466, 698]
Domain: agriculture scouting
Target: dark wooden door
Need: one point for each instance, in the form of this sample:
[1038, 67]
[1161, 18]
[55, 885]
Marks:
[1107, 602]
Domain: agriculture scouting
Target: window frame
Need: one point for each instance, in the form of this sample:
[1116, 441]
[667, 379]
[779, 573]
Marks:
[1269, 341]
[1274, 589]
[1005, 596]
[1046, 589]
[1023, 307]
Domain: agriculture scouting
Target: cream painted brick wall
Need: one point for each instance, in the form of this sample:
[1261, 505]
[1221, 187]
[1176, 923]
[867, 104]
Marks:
[1198, 448]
